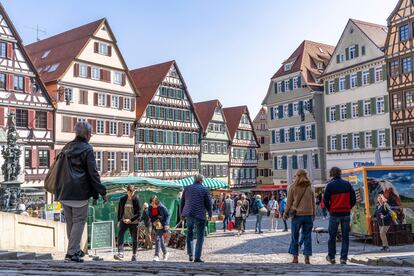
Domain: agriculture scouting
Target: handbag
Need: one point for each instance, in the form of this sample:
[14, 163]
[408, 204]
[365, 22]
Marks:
[157, 224]
[230, 225]
[263, 211]
[292, 212]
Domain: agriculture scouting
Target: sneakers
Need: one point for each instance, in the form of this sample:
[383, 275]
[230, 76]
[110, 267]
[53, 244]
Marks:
[73, 258]
[156, 259]
[199, 261]
[331, 261]
[119, 256]
[190, 258]
[134, 258]
[385, 249]
[343, 262]
[166, 256]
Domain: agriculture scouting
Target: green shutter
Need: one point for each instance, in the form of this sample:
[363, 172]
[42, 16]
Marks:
[329, 142]
[348, 110]
[373, 106]
[347, 53]
[356, 50]
[359, 78]
[148, 111]
[145, 163]
[362, 140]
[347, 81]
[338, 142]
[371, 75]
[337, 117]
[360, 108]
[157, 112]
[350, 141]
[386, 104]
[326, 87]
[336, 85]
[155, 136]
[313, 131]
[384, 72]
[155, 163]
[387, 138]
[337, 58]
[327, 114]
[374, 139]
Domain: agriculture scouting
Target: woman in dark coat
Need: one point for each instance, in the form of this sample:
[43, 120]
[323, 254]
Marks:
[384, 220]
[160, 219]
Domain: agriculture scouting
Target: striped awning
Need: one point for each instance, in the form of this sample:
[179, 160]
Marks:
[210, 183]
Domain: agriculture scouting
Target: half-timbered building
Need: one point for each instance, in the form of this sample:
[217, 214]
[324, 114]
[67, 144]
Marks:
[88, 80]
[399, 50]
[24, 94]
[167, 144]
[214, 160]
[243, 148]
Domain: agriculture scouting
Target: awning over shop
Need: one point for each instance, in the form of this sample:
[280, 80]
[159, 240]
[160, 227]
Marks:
[269, 188]
[210, 183]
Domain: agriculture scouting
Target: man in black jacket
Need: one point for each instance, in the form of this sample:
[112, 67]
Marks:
[129, 214]
[77, 182]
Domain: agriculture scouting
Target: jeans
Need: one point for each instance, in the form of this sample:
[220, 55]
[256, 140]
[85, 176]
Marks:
[306, 224]
[334, 223]
[200, 226]
[244, 218]
[75, 224]
[258, 223]
[225, 221]
[159, 242]
[133, 230]
[285, 223]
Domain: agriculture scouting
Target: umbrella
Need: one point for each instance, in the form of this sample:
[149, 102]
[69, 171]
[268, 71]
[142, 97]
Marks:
[310, 166]
[289, 171]
[377, 156]
[210, 183]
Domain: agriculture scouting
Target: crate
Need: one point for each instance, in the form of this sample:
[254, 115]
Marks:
[212, 227]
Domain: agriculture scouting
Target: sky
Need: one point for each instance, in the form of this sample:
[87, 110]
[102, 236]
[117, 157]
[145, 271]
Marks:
[226, 50]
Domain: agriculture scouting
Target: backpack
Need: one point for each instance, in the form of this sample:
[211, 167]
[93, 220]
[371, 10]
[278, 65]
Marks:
[255, 209]
[393, 214]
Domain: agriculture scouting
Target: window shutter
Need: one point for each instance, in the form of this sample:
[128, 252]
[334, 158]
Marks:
[280, 111]
[290, 110]
[104, 162]
[290, 84]
[326, 87]
[273, 137]
[386, 104]
[155, 136]
[95, 47]
[131, 130]
[102, 75]
[360, 108]
[93, 124]
[384, 72]
[337, 59]
[76, 70]
[107, 126]
[123, 79]
[371, 75]
[350, 141]
[73, 123]
[49, 123]
[347, 81]
[337, 117]
[272, 116]
[108, 100]
[34, 158]
[347, 53]
[327, 114]
[283, 86]
[121, 103]
[109, 50]
[295, 162]
[359, 78]
[282, 135]
[27, 85]
[65, 124]
[10, 82]
[131, 162]
[275, 162]
[119, 129]
[362, 140]
[387, 137]
[10, 50]
[133, 104]
[316, 161]
[2, 116]
[95, 99]
[275, 84]
[284, 162]
[356, 50]
[31, 118]
[362, 50]
[85, 96]
[313, 130]
[373, 106]
[336, 85]
[89, 73]
[301, 111]
[299, 82]
[348, 110]
[146, 135]
[118, 162]
[328, 142]
[108, 75]
[374, 139]
[291, 134]
[302, 133]
[338, 142]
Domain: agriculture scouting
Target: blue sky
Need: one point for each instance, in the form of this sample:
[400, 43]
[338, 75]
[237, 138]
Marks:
[225, 49]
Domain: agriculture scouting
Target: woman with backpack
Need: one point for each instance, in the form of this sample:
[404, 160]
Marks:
[383, 215]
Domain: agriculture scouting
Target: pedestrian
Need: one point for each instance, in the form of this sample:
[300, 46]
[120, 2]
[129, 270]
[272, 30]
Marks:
[339, 199]
[238, 217]
[245, 211]
[323, 208]
[384, 220]
[273, 207]
[129, 214]
[145, 218]
[160, 219]
[76, 185]
[261, 211]
[195, 202]
[282, 207]
[300, 207]
[228, 211]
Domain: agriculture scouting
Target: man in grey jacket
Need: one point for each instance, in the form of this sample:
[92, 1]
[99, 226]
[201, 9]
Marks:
[228, 210]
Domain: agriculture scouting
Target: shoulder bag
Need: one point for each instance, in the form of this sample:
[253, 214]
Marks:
[293, 211]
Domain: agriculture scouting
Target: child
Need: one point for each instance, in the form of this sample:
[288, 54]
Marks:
[160, 219]
[239, 217]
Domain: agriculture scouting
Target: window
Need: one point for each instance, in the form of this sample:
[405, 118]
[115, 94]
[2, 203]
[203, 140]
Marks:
[288, 66]
[295, 109]
[394, 68]
[344, 142]
[41, 119]
[3, 49]
[342, 84]
[308, 132]
[355, 140]
[368, 140]
[103, 49]
[332, 114]
[367, 107]
[98, 160]
[409, 99]
[279, 86]
[352, 52]
[286, 85]
[96, 73]
[342, 112]
[101, 99]
[363, 50]
[27, 158]
[53, 67]
[113, 128]
[127, 103]
[297, 134]
[126, 129]
[125, 162]
[331, 86]
[285, 110]
[114, 101]
[117, 77]
[341, 58]
[407, 65]
[378, 74]
[277, 136]
[18, 82]
[21, 118]
[319, 65]
[354, 80]
[380, 105]
[83, 70]
[396, 101]
[365, 77]
[279, 161]
[45, 54]
[3, 80]
[410, 135]
[111, 161]
[295, 83]
[43, 156]
[354, 110]
[68, 95]
[100, 127]
[404, 32]
[399, 137]
[381, 139]
[286, 135]
[333, 143]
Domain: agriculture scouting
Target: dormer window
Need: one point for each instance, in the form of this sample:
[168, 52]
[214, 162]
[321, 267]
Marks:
[319, 65]
[53, 67]
[45, 54]
[288, 66]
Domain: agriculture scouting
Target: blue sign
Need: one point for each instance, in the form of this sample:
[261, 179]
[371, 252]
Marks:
[363, 164]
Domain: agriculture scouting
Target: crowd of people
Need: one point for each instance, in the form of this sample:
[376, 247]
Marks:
[79, 180]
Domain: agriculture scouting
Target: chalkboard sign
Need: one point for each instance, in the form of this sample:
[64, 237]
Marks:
[102, 236]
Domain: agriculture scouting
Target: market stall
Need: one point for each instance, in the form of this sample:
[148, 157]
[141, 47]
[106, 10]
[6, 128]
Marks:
[210, 183]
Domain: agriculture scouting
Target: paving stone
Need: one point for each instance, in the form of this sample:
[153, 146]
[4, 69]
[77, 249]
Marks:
[6, 255]
[408, 262]
[44, 256]
[26, 256]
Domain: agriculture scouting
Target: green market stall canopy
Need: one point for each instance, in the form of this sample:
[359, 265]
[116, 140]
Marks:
[210, 183]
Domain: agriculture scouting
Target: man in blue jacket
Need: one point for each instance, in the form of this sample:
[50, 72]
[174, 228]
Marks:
[195, 202]
[339, 199]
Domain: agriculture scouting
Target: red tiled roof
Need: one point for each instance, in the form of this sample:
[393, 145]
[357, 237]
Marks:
[304, 59]
[205, 111]
[147, 80]
[377, 33]
[64, 48]
[233, 116]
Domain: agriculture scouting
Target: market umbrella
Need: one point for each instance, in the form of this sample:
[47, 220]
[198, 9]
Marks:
[377, 157]
[309, 166]
[211, 183]
[289, 171]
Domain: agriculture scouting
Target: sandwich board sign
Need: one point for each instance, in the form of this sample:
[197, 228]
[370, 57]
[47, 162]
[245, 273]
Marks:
[102, 235]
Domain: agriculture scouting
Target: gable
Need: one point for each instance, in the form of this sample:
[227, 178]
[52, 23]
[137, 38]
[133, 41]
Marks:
[403, 9]
[104, 33]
